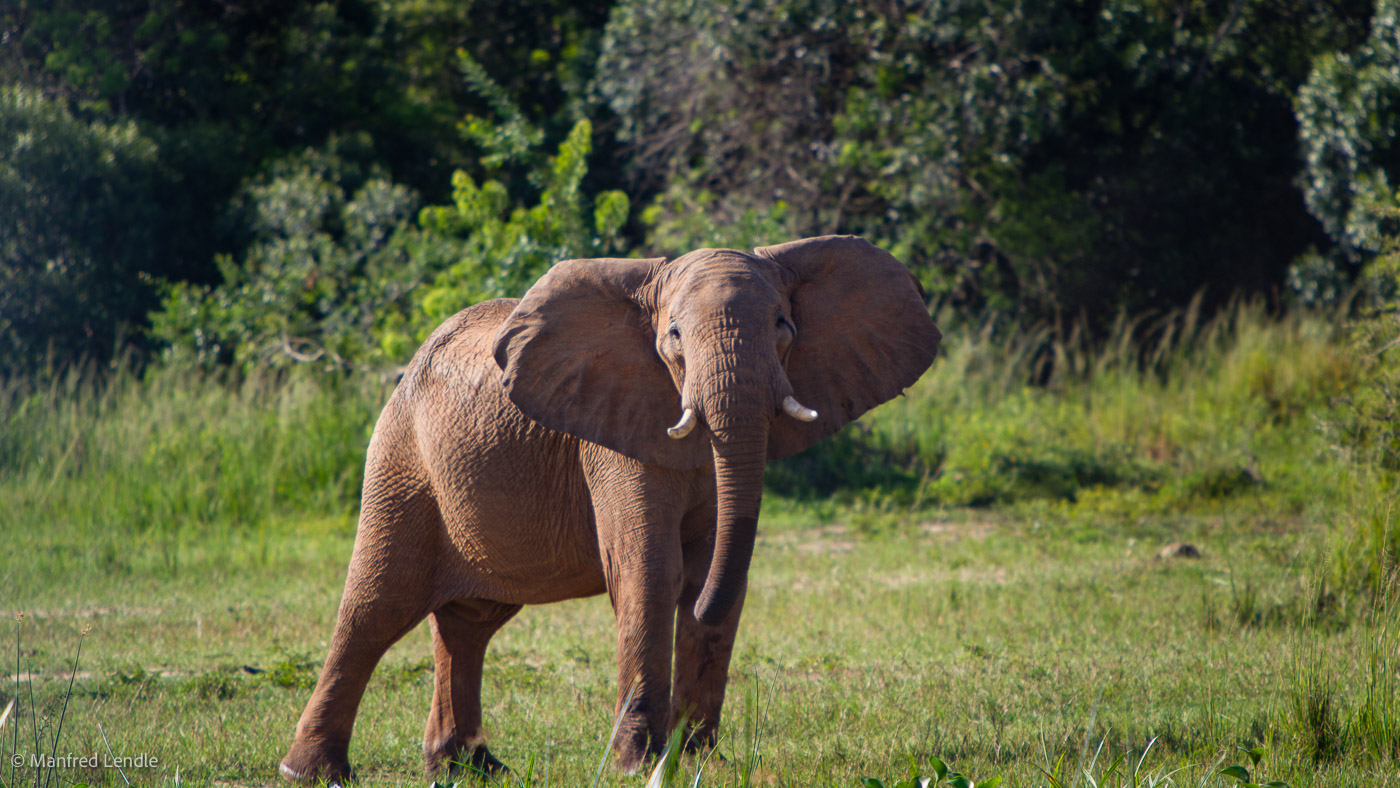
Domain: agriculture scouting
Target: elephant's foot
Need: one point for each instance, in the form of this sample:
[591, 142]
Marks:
[701, 735]
[310, 763]
[701, 739]
[469, 760]
[632, 762]
[632, 753]
[480, 763]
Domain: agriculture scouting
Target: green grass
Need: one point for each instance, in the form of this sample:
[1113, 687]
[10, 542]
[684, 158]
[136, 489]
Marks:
[970, 574]
[990, 643]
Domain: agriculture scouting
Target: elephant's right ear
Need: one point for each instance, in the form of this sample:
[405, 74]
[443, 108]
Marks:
[578, 355]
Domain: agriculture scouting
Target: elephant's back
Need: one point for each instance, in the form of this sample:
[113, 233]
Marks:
[453, 387]
[505, 485]
[461, 344]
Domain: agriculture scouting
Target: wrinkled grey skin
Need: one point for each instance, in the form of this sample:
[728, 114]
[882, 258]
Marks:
[524, 459]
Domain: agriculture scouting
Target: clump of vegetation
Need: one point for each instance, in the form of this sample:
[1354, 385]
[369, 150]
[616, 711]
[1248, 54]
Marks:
[941, 776]
[172, 452]
[1036, 164]
[1239, 407]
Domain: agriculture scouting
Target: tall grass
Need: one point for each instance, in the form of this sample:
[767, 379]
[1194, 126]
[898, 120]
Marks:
[1177, 415]
[84, 456]
[1241, 405]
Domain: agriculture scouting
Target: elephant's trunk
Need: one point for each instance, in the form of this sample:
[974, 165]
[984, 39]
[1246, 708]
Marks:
[736, 389]
[739, 484]
[737, 406]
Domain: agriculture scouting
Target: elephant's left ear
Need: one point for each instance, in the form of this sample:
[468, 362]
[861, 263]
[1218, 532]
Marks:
[864, 333]
[578, 355]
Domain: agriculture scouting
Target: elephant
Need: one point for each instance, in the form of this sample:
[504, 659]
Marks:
[607, 432]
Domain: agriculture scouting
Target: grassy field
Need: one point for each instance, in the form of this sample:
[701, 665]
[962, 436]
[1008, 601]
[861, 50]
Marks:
[971, 574]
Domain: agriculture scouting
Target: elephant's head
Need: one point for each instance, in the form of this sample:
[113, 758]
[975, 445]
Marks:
[718, 355]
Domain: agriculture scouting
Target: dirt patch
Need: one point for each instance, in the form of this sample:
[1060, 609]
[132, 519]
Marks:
[92, 611]
[949, 530]
[824, 540]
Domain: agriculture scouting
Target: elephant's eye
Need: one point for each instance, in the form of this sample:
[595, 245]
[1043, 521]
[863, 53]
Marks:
[783, 321]
[674, 333]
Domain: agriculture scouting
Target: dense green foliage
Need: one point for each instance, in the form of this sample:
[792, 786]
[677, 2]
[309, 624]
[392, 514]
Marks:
[1057, 163]
[341, 275]
[223, 98]
[331, 254]
[1047, 158]
[1348, 110]
[80, 228]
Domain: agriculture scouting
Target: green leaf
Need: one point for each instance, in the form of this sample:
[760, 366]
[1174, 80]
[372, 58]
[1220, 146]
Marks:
[871, 782]
[610, 212]
[913, 765]
[1255, 755]
[1054, 781]
[1113, 767]
[940, 769]
[960, 781]
[992, 783]
[1237, 772]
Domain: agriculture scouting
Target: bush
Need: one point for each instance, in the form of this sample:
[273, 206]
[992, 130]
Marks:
[339, 275]
[334, 254]
[1050, 161]
[1346, 112]
[501, 248]
[81, 234]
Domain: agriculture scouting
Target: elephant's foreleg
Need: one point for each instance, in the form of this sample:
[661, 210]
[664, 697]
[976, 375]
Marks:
[702, 655]
[646, 609]
[454, 739]
[639, 509]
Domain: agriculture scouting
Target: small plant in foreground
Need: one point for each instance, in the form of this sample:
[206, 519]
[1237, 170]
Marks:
[1244, 777]
[42, 766]
[942, 775]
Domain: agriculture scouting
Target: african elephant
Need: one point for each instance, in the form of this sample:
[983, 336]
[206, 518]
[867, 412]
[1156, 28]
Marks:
[607, 432]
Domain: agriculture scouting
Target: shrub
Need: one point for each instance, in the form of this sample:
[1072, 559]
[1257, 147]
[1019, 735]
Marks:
[501, 248]
[81, 232]
[339, 274]
[334, 254]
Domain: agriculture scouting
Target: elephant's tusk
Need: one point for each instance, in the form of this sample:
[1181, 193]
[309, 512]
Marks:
[684, 426]
[797, 410]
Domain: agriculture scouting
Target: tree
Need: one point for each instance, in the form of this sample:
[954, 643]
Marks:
[334, 254]
[340, 276]
[82, 233]
[503, 247]
[1053, 160]
[1347, 113]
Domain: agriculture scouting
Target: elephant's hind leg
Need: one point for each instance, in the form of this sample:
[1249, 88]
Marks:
[388, 591]
[461, 630]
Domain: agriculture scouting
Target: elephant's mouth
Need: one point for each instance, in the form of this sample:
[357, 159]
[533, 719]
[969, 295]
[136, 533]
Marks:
[791, 407]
